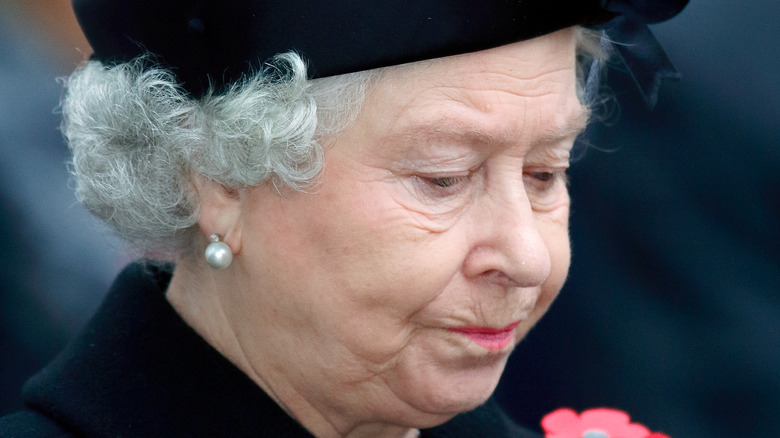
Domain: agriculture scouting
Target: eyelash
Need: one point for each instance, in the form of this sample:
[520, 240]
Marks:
[545, 180]
[446, 186]
[444, 182]
[441, 187]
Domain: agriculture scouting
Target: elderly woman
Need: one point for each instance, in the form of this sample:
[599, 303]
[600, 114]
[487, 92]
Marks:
[366, 206]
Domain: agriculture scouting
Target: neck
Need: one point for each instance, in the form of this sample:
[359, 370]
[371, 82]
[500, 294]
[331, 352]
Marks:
[195, 292]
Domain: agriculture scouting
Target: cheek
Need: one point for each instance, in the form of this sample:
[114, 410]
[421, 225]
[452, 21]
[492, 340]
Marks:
[555, 232]
[357, 260]
[381, 255]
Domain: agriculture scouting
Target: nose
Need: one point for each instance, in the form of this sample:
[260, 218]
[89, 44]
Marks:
[507, 246]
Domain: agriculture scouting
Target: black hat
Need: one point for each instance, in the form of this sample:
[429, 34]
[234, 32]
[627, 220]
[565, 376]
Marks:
[210, 41]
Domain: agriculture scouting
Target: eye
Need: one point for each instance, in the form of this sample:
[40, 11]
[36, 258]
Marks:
[439, 187]
[444, 182]
[544, 180]
[543, 176]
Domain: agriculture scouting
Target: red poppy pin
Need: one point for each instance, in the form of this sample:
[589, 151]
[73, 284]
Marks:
[594, 423]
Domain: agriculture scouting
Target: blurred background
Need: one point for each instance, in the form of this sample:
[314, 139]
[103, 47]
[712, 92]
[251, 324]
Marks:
[56, 261]
[672, 308]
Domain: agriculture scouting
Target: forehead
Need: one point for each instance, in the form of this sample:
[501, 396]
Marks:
[507, 94]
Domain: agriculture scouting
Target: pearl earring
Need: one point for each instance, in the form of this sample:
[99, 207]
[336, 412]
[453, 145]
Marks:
[218, 253]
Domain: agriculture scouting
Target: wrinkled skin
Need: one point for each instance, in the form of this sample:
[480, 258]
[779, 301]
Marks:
[443, 206]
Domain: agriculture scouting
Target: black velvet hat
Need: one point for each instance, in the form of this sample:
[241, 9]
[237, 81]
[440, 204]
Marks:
[216, 42]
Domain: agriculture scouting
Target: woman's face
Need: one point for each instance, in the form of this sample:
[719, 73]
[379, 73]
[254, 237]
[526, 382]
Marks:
[437, 237]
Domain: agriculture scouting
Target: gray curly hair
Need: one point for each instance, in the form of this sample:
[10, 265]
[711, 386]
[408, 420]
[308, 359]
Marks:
[136, 138]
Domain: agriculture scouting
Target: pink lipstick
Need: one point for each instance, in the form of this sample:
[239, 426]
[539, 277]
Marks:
[489, 337]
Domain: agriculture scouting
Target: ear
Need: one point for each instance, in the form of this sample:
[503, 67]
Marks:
[219, 211]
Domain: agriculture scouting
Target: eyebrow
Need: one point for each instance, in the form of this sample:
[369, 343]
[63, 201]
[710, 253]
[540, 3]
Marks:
[571, 128]
[464, 131]
[448, 129]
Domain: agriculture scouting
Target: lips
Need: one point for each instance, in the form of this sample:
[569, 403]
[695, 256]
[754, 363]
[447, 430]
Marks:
[489, 337]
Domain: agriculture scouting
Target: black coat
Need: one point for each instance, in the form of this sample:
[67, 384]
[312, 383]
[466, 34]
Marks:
[138, 370]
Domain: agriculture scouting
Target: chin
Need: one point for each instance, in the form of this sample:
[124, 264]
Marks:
[451, 391]
[441, 407]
